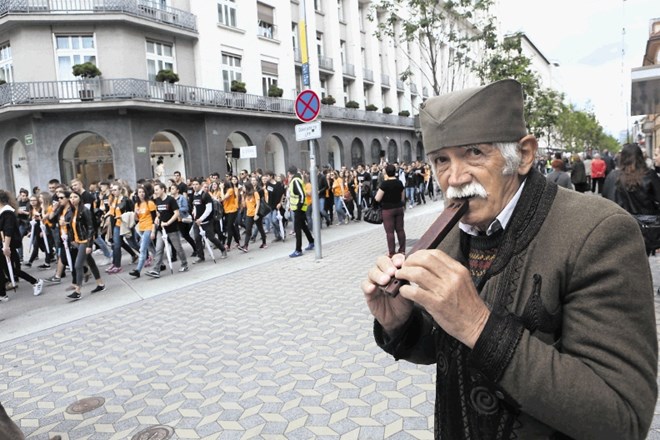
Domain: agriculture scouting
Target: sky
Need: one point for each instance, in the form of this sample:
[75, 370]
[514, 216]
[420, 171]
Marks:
[586, 39]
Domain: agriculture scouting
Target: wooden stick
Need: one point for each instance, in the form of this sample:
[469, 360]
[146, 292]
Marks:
[432, 237]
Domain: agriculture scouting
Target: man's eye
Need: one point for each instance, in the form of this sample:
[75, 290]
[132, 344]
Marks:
[440, 160]
[474, 151]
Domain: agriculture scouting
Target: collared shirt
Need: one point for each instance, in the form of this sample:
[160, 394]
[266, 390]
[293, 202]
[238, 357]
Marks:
[502, 219]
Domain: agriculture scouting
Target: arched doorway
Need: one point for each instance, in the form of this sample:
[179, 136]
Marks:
[235, 141]
[16, 166]
[168, 147]
[407, 152]
[420, 151]
[275, 147]
[87, 156]
[376, 151]
[357, 152]
[392, 152]
[334, 153]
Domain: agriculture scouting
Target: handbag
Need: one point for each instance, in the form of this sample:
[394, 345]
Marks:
[373, 215]
[264, 208]
[650, 227]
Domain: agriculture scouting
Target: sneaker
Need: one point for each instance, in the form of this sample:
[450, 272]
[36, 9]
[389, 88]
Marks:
[241, 248]
[134, 259]
[105, 261]
[253, 240]
[296, 254]
[115, 270]
[110, 269]
[134, 273]
[310, 247]
[263, 246]
[184, 269]
[44, 266]
[149, 261]
[162, 267]
[4, 298]
[223, 255]
[153, 274]
[28, 264]
[38, 287]
[193, 255]
[53, 280]
[99, 288]
[74, 296]
[201, 260]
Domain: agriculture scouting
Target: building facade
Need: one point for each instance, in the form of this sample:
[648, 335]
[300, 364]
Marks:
[645, 94]
[118, 124]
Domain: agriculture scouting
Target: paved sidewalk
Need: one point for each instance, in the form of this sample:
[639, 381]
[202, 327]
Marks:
[271, 348]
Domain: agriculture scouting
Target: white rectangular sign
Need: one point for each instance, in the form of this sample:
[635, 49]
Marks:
[310, 130]
[249, 152]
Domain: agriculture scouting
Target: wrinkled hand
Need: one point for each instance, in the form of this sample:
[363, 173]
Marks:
[390, 312]
[6, 251]
[444, 287]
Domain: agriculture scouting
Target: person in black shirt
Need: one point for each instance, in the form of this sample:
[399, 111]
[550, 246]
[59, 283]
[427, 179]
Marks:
[323, 188]
[202, 212]
[180, 184]
[391, 197]
[167, 218]
[363, 190]
[275, 193]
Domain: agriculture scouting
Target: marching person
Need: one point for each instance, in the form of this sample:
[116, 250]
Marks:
[537, 308]
[203, 221]
[298, 207]
[145, 213]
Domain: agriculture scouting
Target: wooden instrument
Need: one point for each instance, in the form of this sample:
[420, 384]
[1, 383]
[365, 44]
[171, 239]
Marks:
[433, 236]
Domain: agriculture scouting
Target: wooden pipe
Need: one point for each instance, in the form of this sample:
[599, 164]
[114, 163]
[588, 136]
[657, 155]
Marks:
[433, 236]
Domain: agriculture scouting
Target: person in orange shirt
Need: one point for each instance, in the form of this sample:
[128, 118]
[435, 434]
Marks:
[251, 202]
[145, 213]
[338, 193]
[229, 196]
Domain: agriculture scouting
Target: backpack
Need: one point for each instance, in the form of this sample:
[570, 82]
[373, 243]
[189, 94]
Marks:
[218, 210]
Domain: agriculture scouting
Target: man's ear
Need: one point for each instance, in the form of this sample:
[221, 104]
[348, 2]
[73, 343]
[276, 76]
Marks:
[528, 147]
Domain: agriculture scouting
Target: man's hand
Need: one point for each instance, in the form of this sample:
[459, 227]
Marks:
[390, 312]
[7, 251]
[445, 289]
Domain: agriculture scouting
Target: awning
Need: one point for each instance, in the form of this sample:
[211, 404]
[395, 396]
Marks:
[645, 90]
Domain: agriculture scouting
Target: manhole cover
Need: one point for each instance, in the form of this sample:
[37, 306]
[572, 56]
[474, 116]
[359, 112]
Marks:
[159, 432]
[85, 405]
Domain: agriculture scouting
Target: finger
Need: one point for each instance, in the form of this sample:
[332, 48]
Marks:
[378, 277]
[368, 288]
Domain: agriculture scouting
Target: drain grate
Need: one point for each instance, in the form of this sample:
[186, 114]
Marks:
[159, 432]
[85, 405]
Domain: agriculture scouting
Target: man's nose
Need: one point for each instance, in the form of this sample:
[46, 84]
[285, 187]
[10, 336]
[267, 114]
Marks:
[458, 175]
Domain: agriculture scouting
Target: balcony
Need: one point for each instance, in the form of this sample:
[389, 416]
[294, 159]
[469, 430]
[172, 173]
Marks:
[78, 95]
[385, 80]
[297, 55]
[368, 75]
[267, 30]
[413, 88]
[349, 70]
[146, 9]
[645, 90]
[399, 85]
[425, 92]
[325, 63]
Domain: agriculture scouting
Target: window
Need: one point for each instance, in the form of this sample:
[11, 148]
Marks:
[319, 43]
[268, 76]
[160, 56]
[361, 16]
[318, 5]
[231, 70]
[6, 67]
[72, 50]
[294, 41]
[342, 49]
[324, 88]
[227, 12]
[266, 20]
[340, 9]
[346, 95]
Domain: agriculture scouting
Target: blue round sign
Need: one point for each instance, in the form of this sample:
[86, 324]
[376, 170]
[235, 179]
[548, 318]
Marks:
[307, 106]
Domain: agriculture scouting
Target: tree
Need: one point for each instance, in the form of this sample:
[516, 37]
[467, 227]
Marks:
[449, 35]
[580, 131]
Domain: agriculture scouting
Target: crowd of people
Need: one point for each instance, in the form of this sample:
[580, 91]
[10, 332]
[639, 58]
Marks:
[78, 229]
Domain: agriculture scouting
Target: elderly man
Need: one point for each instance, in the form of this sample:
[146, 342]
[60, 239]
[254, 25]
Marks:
[538, 307]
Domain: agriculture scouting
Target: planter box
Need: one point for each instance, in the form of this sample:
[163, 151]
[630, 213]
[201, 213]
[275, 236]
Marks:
[86, 95]
[169, 97]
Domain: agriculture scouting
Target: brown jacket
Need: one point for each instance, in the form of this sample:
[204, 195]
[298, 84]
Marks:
[570, 350]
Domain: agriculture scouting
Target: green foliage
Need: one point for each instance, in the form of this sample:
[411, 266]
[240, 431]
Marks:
[579, 131]
[328, 100]
[167, 75]
[405, 113]
[275, 92]
[86, 70]
[371, 108]
[2, 82]
[387, 110]
[352, 104]
[238, 86]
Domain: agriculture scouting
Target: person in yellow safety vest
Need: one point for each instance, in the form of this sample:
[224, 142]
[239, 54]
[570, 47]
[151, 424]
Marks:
[298, 207]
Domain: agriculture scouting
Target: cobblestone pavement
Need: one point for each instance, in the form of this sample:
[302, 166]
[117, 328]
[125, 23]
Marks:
[281, 349]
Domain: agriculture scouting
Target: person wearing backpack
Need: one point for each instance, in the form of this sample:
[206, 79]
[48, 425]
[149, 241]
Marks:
[202, 212]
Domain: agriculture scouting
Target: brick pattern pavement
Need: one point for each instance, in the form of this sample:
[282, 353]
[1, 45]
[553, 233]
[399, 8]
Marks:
[280, 350]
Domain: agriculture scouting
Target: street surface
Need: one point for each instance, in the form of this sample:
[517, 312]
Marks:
[256, 346]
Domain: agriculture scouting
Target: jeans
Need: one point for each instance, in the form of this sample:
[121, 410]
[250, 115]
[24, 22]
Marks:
[210, 236]
[420, 191]
[339, 207]
[100, 242]
[410, 196]
[275, 223]
[175, 239]
[116, 247]
[145, 244]
[83, 258]
[393, 222]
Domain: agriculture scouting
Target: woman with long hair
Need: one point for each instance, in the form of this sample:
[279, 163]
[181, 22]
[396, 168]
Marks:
[251, 205]
[36, 239]
[634, 186]
[46, 202]
[392, 198]
[230, 201]
[145, 214]
[80, 244]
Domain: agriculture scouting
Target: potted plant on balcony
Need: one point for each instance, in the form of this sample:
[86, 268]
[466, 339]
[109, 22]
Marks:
[405, 113]
[274, 91]
[238, 87]
[352, 104]
[371, 108]
[328, 100]
[167, 76]
[86, 71]
[387, 110]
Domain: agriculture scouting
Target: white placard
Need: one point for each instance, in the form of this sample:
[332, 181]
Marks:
[249, 152]
[310, 130]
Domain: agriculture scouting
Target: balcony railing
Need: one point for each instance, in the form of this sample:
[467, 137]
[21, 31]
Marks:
[368, 75]
[267, 30]
[413, 88]
[92, 91]
[325, 63]
[349, 70]
[384, 80]
[147, 9]
[399, 84]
